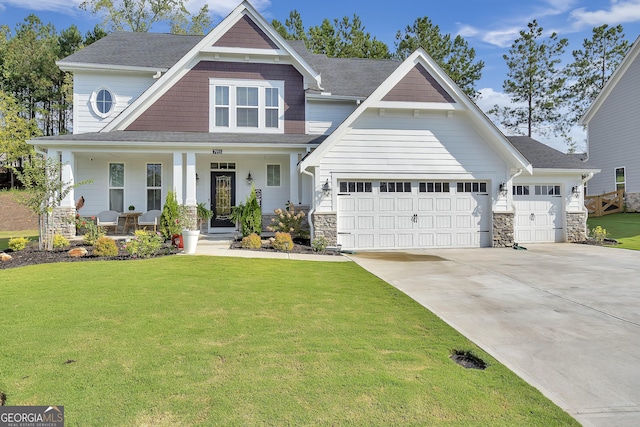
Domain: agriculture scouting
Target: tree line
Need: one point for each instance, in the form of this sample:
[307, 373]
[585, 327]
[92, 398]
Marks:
[547, 98]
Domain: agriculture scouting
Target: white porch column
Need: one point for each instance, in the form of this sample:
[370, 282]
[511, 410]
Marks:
[190, 199]
[293, 179]
[177, 176]
[67, 158]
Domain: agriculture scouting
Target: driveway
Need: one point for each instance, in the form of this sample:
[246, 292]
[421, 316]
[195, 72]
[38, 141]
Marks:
[564, 317]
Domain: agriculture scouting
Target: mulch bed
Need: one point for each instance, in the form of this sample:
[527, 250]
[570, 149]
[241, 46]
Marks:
[300, 246]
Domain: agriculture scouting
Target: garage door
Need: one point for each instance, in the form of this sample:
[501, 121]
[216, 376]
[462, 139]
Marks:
[538, 216]
[413, 214]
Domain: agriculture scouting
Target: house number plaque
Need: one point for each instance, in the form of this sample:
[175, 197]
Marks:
[217, 151]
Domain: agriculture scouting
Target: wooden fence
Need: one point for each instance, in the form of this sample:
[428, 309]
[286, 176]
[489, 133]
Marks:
[605, 204]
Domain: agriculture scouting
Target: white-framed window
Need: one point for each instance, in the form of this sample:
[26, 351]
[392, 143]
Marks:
[103, 102]
[356, 187]
[520, 190]
[273, 175]
[621, 180]
[547, 190]
[433, 187]
[471, 187]
[395, 187]
[116, 187]
[246, 105]
[154, 186]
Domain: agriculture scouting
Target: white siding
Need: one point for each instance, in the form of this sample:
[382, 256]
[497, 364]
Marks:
[125, 87]
[614, 135]
[324, 117]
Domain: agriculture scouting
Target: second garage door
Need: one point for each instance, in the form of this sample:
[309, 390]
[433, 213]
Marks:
[538, 216]
[413, 214]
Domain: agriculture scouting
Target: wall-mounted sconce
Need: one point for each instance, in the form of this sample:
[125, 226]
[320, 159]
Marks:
[575, 191]
[197, 179]
[326, 188]
[503, 189]
[249, 179]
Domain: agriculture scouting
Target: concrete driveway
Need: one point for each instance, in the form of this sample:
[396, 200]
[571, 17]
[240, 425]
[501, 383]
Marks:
[564, 317]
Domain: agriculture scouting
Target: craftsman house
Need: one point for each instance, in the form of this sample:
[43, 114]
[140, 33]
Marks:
[381, 154]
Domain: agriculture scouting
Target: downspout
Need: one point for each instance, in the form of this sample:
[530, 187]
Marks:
[586, 178]
[515, 175]
[313, 199]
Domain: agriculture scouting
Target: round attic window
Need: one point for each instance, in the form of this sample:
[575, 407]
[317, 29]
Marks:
[103, 102]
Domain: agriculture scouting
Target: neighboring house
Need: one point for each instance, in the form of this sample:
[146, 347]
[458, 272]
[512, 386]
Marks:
[613, 132]
[381, 154]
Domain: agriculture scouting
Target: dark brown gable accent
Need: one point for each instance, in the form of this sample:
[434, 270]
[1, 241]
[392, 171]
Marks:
[185, 107]
[246, 34]
[418, 86]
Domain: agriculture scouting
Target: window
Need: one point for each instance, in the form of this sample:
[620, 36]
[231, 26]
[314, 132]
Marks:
[154, 186]
[355, 187]
[433, 187]
[520, 190]
[620, 179]
[247, 106]
[223, 166]
[547, 190]
[103, 102]
[395, 187]
[471, 187]
[116, 187]
[273, 175]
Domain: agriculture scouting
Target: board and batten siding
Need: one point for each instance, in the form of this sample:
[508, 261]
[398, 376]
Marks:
[324, 117]
[614, 135]
[126, 87]
[396, 144]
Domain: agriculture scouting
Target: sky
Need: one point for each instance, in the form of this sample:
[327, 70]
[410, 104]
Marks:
[489, 26]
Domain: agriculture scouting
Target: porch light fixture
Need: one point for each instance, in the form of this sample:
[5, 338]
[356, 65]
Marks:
[197, 178]
[503, 189]
[575, 191]
[249, 179]
[326, 188]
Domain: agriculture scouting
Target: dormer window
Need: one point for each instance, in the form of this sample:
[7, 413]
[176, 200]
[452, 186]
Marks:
[103, 102]
[246, 106]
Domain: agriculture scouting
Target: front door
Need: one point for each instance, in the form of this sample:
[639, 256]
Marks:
[223, 197]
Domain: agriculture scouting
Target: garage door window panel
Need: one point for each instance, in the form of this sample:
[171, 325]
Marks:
[471, 187]
[356, 187]
[520, 190]
[433, 187]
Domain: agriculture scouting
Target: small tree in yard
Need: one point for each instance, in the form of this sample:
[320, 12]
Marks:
[45, 191]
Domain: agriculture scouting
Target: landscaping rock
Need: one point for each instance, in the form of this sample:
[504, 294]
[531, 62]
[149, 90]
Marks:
[77, 252]
[5, 257]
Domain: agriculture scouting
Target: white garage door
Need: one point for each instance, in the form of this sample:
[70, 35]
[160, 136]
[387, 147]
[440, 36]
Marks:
[412, 214]
[538, 217]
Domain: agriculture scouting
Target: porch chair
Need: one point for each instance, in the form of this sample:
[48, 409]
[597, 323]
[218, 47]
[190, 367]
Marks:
[108, 219]
[149, 218]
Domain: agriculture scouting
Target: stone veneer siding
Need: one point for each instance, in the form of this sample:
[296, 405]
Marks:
[326, 225]
[576, 227]
[632, 202]
[503, 229]
[63, 222]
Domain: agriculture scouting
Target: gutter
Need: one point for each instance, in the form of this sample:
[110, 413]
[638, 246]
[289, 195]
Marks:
[313, 200]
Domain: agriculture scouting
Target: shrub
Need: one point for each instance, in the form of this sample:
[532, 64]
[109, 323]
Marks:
[105, 246]
[248, 215]
[60, 242]
[288, 221]
[252, 241]
[93, 232]
[319, 244]
[18, 243]
[169, 219]
[144, 244]
[599, 234]
[282, 242]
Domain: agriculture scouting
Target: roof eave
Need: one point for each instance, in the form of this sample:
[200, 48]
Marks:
[83, 66]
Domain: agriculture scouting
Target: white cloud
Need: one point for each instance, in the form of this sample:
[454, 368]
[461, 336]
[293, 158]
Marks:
[63, 6]
[221, 8]
[619, 12]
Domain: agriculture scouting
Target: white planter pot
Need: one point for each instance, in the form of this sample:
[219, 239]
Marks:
[190, 241]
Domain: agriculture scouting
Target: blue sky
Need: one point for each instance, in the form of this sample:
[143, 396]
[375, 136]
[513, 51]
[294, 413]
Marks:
[489, 26]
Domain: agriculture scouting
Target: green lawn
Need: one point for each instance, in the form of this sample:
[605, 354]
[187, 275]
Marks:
[187, 341]
[624, 227]
[6, 235]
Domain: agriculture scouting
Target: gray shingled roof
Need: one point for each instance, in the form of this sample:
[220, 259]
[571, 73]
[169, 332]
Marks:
[542, 156]
[347, 76]
[186, 137]
[151, 50]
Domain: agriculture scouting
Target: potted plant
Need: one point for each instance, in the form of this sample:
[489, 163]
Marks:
[187, 220]
[203, 213]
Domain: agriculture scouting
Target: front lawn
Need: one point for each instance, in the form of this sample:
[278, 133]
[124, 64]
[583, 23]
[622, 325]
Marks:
[624, 227]
[187, 341]
[6, 235]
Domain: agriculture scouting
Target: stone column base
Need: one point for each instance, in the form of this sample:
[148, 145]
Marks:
[576, 227]
[503, 230]
[63, 222]
[326, 225]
